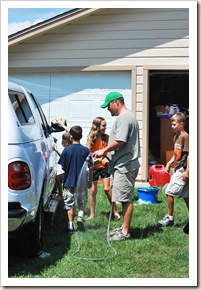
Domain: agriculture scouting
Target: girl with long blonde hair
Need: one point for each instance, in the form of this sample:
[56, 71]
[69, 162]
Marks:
[98, 139]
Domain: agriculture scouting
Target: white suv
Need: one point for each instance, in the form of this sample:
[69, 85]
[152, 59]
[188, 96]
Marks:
[32, 164]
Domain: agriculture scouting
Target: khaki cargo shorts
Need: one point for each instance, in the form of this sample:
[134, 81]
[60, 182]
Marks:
[123, 185]
[177, 186]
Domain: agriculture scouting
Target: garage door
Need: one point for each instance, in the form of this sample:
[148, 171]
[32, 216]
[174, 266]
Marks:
[76, 96]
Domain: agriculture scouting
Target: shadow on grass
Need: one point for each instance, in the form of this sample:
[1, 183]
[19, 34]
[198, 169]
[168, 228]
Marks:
[56, 244]
[139, 233]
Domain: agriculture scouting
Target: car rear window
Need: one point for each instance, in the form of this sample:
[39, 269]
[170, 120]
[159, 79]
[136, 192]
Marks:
[22, 108]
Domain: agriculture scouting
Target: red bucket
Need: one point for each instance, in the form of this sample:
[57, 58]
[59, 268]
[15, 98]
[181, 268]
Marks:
[158, 175]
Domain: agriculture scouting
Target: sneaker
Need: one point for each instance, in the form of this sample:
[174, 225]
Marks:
[166, 221]
[80, 224]
[120, 237]
[115, 231]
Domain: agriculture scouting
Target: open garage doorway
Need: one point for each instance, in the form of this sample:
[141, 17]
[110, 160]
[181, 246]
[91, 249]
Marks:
[165, 89]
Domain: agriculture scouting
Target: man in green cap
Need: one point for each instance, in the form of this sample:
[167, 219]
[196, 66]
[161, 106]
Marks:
[123, 151]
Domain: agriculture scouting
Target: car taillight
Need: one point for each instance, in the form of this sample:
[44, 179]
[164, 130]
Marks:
[18, 175]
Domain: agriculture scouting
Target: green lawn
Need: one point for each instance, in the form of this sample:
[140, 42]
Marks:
[151, 252]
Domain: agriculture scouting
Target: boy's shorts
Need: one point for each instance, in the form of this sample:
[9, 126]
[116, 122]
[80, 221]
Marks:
[123, 185]
[102, 172]
[70, 194]
[177, 186]
[60, 177]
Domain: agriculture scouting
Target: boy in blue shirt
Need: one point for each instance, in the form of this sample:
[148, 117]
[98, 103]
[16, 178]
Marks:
[72, 160]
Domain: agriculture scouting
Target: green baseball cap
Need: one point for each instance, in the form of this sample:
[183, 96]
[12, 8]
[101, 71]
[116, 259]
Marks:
[111, 97]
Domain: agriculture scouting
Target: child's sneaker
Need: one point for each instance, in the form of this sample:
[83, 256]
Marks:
[166, 222]
[71, 231]
[120, 236]
[80, 223]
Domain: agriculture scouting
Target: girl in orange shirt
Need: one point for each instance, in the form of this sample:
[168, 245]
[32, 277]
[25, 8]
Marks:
[97, 139]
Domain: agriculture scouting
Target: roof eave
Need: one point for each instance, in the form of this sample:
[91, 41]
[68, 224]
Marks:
[44, 26]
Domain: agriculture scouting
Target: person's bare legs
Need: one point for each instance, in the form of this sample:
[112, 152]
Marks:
[70, 215]
[59, 186]
[93, 193]
[127, 210]
[170, 199]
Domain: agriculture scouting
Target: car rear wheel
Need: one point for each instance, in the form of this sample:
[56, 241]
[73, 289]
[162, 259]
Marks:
[35, 235]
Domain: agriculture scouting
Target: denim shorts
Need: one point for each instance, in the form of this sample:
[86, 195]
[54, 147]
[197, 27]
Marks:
[102, 172]
[177, 186]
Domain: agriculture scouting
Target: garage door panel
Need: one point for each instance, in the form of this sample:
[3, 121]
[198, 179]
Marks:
[96, 82]
[80, 110]
[77, 96]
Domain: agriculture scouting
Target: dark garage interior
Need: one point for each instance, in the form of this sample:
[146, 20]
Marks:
[165, 89]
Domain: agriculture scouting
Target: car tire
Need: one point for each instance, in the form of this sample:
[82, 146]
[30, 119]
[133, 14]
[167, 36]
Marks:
[35, 236]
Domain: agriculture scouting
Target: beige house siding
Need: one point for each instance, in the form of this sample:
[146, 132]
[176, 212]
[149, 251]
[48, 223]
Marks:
[136, 40]
[109, 37]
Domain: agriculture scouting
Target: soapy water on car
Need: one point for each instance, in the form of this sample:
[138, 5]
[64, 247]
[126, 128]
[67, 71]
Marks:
[84, 180]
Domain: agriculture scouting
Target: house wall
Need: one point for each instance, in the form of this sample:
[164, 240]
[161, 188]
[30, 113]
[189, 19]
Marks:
[109, 37]
[111, 40]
